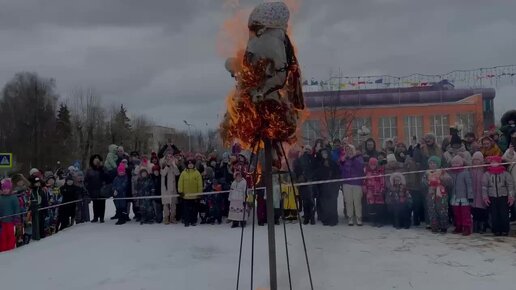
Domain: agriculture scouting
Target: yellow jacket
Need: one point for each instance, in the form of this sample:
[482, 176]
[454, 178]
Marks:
[190, 183]
[289, 196]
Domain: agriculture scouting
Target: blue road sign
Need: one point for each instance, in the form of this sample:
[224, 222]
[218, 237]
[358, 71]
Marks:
[6, 160]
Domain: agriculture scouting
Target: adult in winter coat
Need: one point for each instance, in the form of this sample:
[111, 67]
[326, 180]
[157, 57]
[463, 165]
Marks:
[9, 206]
[190, 184]
[428, 149]
[156, 185]
[461, 196]
[39, 195]
[328, 192]
[374, 190]
[510, 156]
[70, 192]
[479, 208]
[414, 187]
[436, 181]
[304, 171]
[401, 152]
[119, 186]
[352, 167]
[370, 150]
[169, 172]
[498, 194]
[399, 201]
[93, 181]
[237, 199]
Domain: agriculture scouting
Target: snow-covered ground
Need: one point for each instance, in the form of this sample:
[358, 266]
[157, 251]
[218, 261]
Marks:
[133, 256]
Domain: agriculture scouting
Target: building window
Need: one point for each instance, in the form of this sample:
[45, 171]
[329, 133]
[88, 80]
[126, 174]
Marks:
[337, 128]
[361, 130]
[467, 120]
[311, 131]
[387, 129]
[413, 128]
[440, 126]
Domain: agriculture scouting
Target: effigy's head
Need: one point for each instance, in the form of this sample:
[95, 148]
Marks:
[269, 15]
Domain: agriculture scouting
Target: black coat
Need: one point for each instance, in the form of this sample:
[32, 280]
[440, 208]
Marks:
[304, 167]
[93, 181]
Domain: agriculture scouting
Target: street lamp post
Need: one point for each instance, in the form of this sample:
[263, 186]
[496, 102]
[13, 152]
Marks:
[189, 136]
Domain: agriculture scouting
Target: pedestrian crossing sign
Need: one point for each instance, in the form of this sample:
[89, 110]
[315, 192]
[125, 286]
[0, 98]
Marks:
[6, 160]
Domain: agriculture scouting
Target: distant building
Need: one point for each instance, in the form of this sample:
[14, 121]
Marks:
[160, 135]
[397, 112]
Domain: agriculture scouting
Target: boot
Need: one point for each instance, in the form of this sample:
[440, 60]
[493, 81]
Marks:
[234, 225]
[101, 220]
[306, 221]
[166, 220]
[483, 227]
[114, 217]
[95, 220]
[120, 221]
[457, 230]
[466, 231]
[476, 227]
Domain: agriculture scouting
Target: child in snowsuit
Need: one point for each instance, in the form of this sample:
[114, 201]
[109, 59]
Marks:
[156, 202]
[436, 181]
[8, 206]
[461, 196]
[22, 192]
[374, 189]
[214, 203]
[237, 198]
[120, 186]
[145, 188]
[69, 192]
[479, 208]
[498, 194]
[290, 196]
[399, 201]
[54, 198]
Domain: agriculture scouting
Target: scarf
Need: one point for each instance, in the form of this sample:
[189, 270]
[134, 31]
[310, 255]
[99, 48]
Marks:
[496, 170]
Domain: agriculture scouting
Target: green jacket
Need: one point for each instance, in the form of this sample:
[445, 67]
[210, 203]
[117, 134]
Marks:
[9, 205]
[190, 183]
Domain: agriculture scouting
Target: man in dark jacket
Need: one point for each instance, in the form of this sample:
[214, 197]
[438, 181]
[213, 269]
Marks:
[304, 170]
[93, 181]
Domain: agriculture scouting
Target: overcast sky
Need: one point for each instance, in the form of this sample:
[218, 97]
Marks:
[160, 58]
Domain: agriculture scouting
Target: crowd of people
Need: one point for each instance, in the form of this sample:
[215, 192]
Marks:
[461, 181]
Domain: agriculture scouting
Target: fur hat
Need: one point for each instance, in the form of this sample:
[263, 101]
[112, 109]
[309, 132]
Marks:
[397, 175]
[478, 156]
[457, 161]
[7, 184]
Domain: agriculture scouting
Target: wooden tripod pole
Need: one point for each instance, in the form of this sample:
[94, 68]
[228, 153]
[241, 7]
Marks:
[267, 175]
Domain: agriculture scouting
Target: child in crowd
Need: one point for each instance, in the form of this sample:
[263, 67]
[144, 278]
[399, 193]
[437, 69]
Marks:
[70, 192]
[461, 196]
[145, 187]
[54, 198]
[290, 195]
[82, 214]
[437, 181]
[479, 208]
[9, 206]
[214, 203]
[22, 192]
[498, 194]
[374, 190]
[399, 201]
[237, 209]
[120, 186]
[190, 184]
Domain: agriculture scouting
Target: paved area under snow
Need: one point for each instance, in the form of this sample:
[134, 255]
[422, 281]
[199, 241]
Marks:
[133, 256]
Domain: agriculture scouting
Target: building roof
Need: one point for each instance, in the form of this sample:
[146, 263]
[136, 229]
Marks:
[396, 96]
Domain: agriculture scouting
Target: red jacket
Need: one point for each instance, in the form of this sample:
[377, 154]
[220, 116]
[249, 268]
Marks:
[374, 185]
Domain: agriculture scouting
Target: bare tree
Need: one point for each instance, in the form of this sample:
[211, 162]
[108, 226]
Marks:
[140, 133]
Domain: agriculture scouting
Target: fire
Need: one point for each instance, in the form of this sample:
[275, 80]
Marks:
[246, 121]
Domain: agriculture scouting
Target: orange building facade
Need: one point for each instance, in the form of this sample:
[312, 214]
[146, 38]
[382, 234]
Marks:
[404, 115]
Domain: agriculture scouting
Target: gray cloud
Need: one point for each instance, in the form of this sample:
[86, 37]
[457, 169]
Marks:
[160, 57]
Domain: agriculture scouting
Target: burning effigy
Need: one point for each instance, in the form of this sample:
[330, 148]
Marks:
[268, 100]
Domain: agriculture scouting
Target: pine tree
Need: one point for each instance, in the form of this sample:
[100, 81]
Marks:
[121, 127]
[63, 122]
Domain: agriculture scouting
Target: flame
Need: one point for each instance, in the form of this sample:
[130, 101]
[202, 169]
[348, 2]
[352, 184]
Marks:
[245, 121]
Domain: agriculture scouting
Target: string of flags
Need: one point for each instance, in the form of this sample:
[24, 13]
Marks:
[481, 77]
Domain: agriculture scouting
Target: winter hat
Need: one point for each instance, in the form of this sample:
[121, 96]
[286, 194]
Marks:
[455, 140]
[121, 168]
[143, 168]
[478, 156]
[435, 160]
[7, 184]
[457, 161]
[373, 162]
[397, 175]
[391, 158]
[34, 171]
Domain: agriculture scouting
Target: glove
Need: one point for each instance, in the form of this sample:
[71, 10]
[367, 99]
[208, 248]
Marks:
[487, 201]
[511, 200]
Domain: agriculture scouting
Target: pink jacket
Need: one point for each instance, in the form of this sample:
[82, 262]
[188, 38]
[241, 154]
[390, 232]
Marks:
[374, 185]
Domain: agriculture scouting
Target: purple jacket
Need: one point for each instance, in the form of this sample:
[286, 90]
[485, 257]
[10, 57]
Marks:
[351, 168]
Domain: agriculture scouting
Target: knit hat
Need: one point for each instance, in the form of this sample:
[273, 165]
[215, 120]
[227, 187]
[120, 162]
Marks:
[121, 168]
[391, 158]
[457, 161]
[435, 160]
[34, 171]
[7, 184]
[373, 161]
[477, 156]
